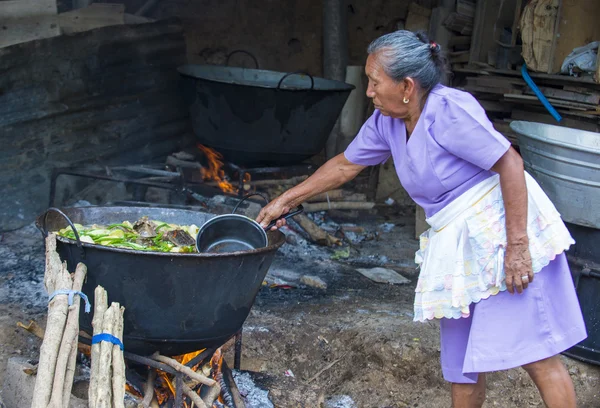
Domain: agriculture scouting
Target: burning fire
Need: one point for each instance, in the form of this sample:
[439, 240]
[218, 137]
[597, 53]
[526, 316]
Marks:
[167, 387]
[215, 171]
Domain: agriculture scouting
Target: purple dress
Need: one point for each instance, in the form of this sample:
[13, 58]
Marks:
[451, 149]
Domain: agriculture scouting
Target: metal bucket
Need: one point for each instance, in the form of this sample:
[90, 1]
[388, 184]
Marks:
[566, 164]
[259, 117]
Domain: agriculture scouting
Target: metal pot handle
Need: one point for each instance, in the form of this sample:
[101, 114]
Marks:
[44, 230]
[312, 80]
[297, 211]
[246, 197]
[243, 52]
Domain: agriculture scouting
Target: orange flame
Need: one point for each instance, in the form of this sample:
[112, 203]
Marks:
[133, 391]
[167, 387]
[215, 171]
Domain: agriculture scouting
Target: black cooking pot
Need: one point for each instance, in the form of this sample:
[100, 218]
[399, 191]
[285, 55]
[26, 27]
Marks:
[175, 303]
[256, 117]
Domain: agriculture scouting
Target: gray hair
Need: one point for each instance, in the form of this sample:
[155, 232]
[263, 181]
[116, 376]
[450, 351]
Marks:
[406, 54]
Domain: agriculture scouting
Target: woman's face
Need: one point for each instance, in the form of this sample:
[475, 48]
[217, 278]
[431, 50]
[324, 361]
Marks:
[386, 93]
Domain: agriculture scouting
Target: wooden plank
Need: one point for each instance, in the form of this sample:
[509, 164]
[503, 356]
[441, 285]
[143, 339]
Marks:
[536, 75]
[554, 102]
[478, 22]
[545, 117]
[577, 26]
[95, 16]
[16, 31]
[26, 8]
[593, 98]
[493, 89]
[498, 81]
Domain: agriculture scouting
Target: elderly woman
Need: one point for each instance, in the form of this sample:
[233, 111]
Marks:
[493, 268]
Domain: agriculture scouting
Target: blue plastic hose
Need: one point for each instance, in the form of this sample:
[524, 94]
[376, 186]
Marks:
[539, 94]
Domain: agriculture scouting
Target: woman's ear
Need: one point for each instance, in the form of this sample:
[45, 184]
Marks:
[410, 87]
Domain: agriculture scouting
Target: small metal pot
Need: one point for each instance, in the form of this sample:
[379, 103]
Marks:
[235, 232]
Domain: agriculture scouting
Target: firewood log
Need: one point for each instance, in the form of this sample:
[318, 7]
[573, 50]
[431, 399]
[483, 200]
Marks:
[338, 195]
[338, 205]
[56, 277]
[53, 264]
[193, 396]
[100, 307]
[63, 376]
[184, 369]
[212, 395]
[118, 364]
[315, 233]
[148, 390]
[104, 385]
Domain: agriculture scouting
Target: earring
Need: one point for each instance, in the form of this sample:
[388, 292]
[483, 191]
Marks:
[405, 100]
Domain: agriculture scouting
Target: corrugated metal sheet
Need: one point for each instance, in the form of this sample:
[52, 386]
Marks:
[105, 96]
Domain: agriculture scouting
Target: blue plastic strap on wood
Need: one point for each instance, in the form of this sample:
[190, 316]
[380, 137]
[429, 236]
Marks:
[71, 294]
[107, 337]
[539, 94]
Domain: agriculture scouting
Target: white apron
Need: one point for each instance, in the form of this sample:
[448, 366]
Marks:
[462, 255]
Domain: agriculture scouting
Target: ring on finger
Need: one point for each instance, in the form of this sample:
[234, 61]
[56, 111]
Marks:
[525, 277]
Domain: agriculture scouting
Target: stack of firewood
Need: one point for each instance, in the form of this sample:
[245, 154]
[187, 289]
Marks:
[107, 378]
[58, 353]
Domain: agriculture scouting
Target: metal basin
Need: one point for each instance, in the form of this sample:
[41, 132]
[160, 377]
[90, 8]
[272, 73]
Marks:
[259, 117]
[566, 164]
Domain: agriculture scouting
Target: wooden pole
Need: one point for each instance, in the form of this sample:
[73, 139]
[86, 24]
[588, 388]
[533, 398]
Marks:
[184, 369]
[149, 389]
[193, 396]
[104, 384]
[100, 307]
[118, 363]
[63, 377]
[55, 326]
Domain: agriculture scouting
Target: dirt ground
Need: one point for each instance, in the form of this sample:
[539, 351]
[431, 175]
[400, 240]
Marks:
[355, 339]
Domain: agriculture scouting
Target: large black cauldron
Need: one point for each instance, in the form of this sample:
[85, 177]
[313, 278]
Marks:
[174, 303]
[259, 117]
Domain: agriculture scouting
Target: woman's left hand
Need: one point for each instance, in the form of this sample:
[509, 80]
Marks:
[517, 267]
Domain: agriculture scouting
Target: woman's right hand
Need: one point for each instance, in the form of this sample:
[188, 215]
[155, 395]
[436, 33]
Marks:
[275, 209]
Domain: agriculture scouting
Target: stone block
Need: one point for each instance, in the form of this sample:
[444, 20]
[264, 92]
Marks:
[17, 391]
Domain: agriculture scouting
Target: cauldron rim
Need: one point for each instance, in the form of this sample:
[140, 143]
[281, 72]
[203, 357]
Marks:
[320, 85]
[276, 240]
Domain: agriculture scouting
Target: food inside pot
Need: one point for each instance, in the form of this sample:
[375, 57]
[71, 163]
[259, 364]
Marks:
[143, 235]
